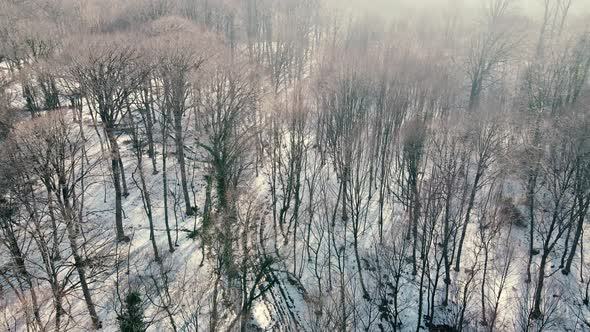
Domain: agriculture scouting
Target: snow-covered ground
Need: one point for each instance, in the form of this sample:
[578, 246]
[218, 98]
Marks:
[300, 300]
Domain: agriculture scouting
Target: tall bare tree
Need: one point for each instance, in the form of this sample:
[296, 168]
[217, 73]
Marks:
[109, 71]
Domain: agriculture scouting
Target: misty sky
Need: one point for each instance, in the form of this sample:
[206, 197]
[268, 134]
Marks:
[532, 8]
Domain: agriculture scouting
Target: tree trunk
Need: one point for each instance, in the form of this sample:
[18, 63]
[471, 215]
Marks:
[213, 317]
[445, 249]
[149, 125]
[19, 260]
[123, 178]
[415, 217]
[470, 204]
[577, 236]
[115, 164]
[484, 321]
[358, 261]
[148, 206]
[530, 197]
[536, 313]
[165, 193]
[475, 92]
[79, 262]
[51, 210]
[179, 140]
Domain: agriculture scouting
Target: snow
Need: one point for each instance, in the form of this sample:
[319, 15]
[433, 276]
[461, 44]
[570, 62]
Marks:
[286, 304]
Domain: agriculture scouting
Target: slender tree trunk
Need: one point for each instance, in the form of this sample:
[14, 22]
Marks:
[415, 217]
[79, 262]
[165, 191]
[484, 321]
[31, 103]
[530, 200]
[148, 206]
[115, 166]
[536, 313]
[207, 206]
[51, 209]
[382, 188]
[445, 249]
[464, 302]
[421, 294]
[358, 262]
[475, 92]
[470, 204]
[434, 284]
[566, 245]
[214, 314]
[577, 235]
[123, 178]
[149, 126]
[19, 260]
[344, 191]
[179, 140]
[530, 197]
[342, 259]
[59, 310]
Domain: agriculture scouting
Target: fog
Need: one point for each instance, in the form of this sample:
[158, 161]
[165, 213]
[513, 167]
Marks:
[294, 165]
[392, 8]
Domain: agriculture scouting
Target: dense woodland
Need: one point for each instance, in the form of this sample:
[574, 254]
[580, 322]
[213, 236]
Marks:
[294, 165]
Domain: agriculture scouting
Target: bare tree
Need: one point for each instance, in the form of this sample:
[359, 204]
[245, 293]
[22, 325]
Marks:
[557, 171]
[178, 61]
[228, 102]
[581, 186]
[138, 146]
[63, 169]
[490, 49]
[485, 137]
[109, 71]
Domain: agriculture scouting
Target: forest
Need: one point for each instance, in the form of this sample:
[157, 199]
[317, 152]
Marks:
[294, 165]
